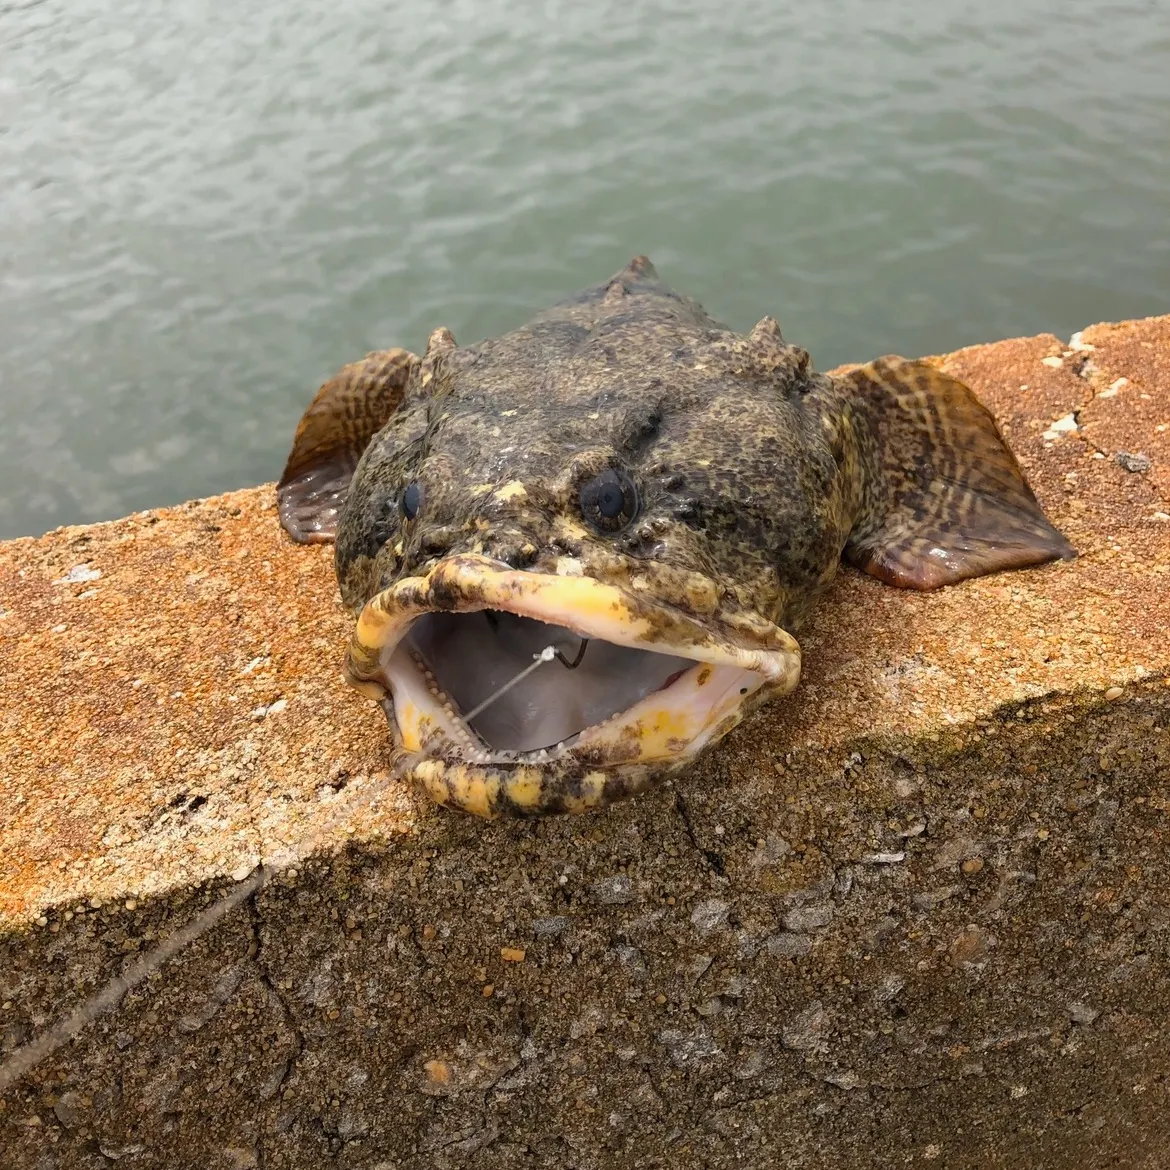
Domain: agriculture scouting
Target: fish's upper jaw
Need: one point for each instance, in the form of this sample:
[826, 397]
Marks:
[637, 688]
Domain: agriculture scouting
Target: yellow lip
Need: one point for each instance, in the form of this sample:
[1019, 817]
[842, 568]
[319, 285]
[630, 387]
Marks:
[661, 732]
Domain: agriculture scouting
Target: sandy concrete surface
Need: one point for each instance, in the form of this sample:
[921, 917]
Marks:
[915, 913]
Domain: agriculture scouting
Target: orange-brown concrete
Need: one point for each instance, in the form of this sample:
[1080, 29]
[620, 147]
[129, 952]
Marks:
[171, 710]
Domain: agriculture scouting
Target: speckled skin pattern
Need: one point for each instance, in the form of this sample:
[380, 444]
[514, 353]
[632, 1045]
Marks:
[754, 473]
[739, 478]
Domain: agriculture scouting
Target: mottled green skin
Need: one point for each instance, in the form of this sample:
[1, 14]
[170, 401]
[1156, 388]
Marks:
[754, 475]
[751, 467]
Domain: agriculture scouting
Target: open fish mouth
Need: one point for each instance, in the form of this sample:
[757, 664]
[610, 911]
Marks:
[634, 688]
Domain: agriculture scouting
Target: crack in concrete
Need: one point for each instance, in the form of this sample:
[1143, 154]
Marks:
[654, 1079]
[469, 1143]
[680, 806]
[256, 923]
[713, 860]
[1085, 369]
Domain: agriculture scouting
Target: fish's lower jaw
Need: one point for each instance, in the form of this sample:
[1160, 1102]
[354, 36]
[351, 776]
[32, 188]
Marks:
[530, 791]
[604, 763]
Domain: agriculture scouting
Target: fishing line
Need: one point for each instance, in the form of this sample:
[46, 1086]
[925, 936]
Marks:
[546, 655]
[25, 1059]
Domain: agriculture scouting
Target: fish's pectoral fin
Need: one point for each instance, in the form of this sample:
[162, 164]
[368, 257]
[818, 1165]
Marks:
[949, 501]
[338, 425]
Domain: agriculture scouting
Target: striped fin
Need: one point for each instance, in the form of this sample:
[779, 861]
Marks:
[336, 428]
[949, 500]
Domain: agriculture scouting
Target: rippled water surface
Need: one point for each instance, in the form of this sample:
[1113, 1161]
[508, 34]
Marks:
[206, 208]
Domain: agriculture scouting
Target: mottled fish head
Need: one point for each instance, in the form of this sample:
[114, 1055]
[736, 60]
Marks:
[577, 551]
[588, 483]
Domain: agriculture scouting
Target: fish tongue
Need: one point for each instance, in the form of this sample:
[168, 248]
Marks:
[545, 727]
[539, 712]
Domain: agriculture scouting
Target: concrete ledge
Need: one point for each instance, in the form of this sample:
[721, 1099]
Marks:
[916, 913]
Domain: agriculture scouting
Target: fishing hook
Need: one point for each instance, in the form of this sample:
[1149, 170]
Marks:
[576, 661]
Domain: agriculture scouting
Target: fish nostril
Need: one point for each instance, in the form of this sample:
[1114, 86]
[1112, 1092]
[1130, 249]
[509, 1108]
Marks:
[514, 551]
[518, 556]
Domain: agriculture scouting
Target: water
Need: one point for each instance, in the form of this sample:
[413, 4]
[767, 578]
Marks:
[205, 209]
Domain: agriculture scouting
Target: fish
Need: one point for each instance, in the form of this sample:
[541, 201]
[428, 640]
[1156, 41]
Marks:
[578, 554]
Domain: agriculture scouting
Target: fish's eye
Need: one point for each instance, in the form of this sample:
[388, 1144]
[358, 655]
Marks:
[609, 501]
[412, 500]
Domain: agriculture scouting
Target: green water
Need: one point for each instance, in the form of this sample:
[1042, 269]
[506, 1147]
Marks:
[206, 208]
